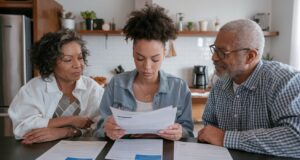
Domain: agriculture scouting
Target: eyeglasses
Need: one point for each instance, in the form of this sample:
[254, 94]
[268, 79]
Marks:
[222, 54]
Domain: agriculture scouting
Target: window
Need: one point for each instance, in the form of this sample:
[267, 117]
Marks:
[295, 49]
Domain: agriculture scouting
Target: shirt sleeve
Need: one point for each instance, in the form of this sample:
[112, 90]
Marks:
[95, 96]
[105, 111]
[283, 139]
[185, 119]
[25, 112]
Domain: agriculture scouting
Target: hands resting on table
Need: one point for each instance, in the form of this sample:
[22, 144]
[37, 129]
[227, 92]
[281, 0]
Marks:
[58, 128]
[212, 135]
[63, 127]
[113, 131]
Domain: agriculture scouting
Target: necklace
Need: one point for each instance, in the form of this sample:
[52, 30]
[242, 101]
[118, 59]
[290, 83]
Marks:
[146, 95]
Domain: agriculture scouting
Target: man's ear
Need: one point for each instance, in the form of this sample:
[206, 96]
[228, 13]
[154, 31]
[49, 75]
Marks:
[251, 56]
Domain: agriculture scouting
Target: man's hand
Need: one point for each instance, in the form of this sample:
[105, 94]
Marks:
[212, 135]
[112, 130]
[44, 135]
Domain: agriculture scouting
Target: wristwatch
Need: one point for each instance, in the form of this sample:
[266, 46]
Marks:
[74, 132]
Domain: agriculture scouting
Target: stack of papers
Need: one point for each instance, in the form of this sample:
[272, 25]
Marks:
[144, 122]
[70, 150]
[136, 149]
[198, 151]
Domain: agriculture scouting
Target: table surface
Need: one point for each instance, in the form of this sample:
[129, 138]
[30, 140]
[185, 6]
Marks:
[11, 149]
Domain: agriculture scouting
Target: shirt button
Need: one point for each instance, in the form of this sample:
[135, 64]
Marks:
[235, 115]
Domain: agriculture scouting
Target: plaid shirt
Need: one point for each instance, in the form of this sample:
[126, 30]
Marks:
[263, 115]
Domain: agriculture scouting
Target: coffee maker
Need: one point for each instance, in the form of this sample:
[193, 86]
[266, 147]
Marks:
[200, 77]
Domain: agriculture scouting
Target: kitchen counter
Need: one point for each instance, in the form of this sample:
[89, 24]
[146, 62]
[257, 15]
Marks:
[5, 123]
[199, 99]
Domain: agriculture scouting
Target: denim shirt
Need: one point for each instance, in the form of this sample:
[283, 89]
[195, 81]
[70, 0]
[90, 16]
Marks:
[172, 91]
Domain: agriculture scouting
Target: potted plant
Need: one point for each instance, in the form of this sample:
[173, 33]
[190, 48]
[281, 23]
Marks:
[88, 16]
[68, 20]
[190, 26]
[268, 57]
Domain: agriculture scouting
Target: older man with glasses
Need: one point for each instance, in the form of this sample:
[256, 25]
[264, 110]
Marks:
[255, 105]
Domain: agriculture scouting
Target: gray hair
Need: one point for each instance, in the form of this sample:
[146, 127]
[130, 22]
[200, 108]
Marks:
[248, 34]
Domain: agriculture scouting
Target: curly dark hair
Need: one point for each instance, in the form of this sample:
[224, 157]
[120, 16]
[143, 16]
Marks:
[47, 50]
[151, 23]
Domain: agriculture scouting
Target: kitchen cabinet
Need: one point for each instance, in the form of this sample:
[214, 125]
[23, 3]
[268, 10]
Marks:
[44, 14]
[198, 104]
[182, 33]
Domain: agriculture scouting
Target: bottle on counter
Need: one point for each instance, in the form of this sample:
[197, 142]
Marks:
[217, 24]
[112, 25]
[179, 17]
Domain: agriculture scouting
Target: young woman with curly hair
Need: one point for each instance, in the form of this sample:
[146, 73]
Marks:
[147, 87]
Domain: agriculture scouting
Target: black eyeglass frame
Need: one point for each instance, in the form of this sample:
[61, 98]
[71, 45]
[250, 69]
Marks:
[222, 54]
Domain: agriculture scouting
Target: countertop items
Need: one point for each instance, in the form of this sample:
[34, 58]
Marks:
[100, 80]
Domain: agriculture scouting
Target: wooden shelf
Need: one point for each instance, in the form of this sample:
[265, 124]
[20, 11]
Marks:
[100, 32]
[271, 33]
[16, 4]
[214, 33]
[198, 33]
[183, 33]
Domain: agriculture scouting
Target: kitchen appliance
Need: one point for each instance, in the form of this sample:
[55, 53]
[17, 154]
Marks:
[200, 77]
[263, 20]
[15, 66]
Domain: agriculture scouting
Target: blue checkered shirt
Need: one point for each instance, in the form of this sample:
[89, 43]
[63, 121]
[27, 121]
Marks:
[263, 114]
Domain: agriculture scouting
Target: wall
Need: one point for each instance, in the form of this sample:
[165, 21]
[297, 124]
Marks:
[106, 54]
[282, 21]
[106, 9]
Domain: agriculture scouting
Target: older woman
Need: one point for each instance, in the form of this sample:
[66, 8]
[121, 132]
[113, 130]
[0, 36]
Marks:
[61, 102]
[147, 87]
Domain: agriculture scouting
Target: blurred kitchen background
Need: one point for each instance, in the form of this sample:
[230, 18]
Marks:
[279, 18]
[108, 52]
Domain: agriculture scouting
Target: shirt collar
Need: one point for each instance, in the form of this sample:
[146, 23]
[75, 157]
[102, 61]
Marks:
[52, 86]
[163, 87]
[253, 80]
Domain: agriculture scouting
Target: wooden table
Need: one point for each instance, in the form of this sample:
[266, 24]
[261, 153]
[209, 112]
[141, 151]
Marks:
[10, 149]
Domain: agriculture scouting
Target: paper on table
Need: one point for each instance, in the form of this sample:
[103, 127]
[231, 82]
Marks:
[127, 149]
[198, 151]
[144, 122]
[75, 149]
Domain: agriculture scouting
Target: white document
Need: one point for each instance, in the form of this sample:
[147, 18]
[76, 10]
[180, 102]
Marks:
[127, 149]
[73, 149]
[144, 122]
[198, 151]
